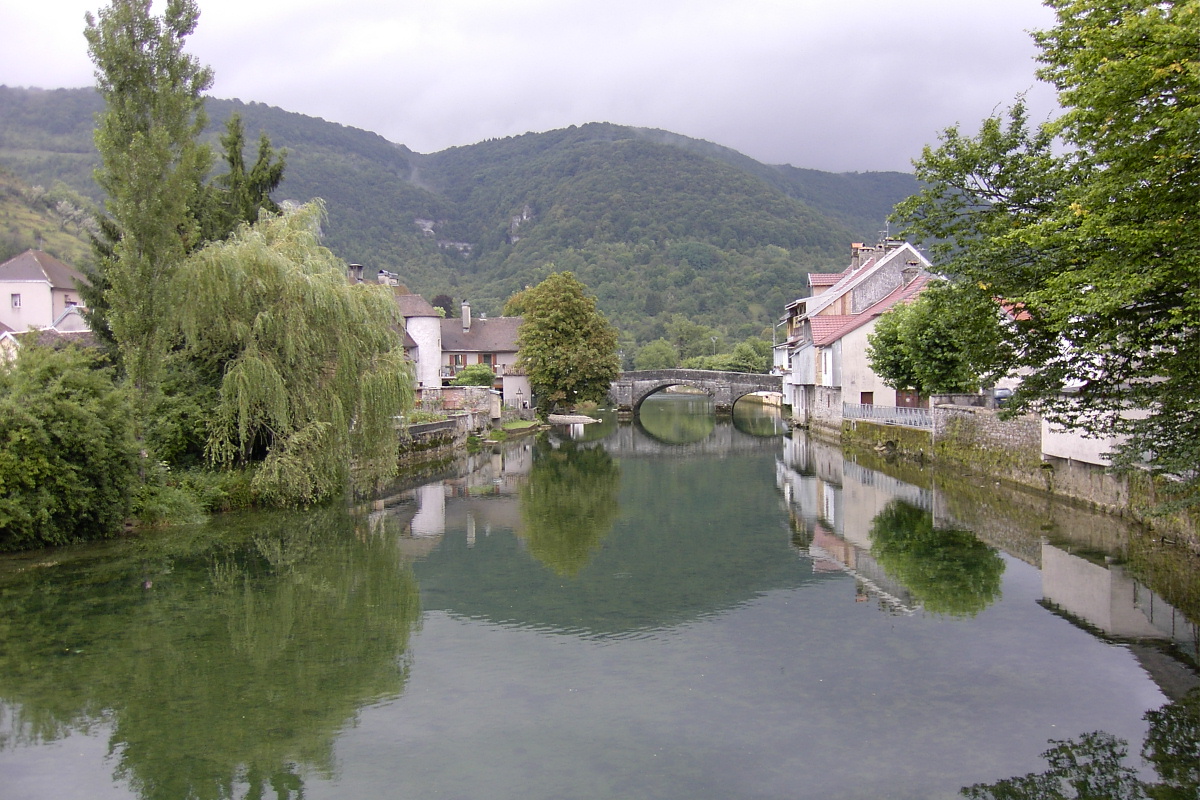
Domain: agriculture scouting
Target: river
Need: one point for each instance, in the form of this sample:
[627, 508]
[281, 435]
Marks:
[682, 607]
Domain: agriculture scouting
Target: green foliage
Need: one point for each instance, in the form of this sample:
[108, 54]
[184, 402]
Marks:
[67, 458]
[692, 339]
[475, 375]
[312, 372]
[949, 572]
[569, 504]
[1094, 765]
[655, 224]
[152, 166]
[659, 354]
[950, 339]
[238, 195]
[177, 429]
[57, 221]
[751, 355]
[888, 352]
[1093, 242]
[568, 349]
[1088, 767]
[204, 640]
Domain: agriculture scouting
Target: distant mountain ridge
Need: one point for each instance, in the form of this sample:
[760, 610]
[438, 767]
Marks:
[655, 223]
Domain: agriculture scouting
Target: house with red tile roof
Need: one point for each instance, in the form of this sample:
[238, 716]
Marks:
[823, 357]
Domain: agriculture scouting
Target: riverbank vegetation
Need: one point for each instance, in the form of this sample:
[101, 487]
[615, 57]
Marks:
[1084, 228]
[567, 347]
[241, 366]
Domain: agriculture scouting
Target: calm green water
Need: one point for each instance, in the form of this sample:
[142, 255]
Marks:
[676, 608]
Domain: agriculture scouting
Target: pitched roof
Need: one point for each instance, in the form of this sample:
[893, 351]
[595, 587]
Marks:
[826, 278]
[71, 320]
[495, 335]
[35, 265]
[833, 327]
[48, 337]
[413, 305]
[851, 278]
[825, 327]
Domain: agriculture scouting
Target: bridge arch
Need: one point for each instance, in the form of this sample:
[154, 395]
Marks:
[630, 389]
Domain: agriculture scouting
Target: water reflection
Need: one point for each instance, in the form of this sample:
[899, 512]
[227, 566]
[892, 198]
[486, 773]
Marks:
[677, 418]
[1097, 764]
[569, 503]
[948, 571]
[758, 416]
[622, 617]
[222, 665]
[608, 520]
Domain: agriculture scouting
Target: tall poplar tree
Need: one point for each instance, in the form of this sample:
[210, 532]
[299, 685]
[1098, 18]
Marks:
[152, 166]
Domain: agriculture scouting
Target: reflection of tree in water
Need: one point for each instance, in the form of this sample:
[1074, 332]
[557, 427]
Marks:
[568, 504]
[949, 571]
[1093, 765]
[221, 674]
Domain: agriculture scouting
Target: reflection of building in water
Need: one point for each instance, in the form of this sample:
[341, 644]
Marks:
[500, 471]
[1105, 597]
[430, 519]
[486, 496]
[832, 504]
[832, 553]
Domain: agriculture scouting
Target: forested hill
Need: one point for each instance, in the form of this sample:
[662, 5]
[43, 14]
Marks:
[655, 223]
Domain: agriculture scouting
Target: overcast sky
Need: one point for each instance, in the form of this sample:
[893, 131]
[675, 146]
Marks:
[839, 85]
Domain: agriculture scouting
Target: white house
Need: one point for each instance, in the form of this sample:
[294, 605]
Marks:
[36, 290]
[423, 338]
[823, 357]
[493, 342]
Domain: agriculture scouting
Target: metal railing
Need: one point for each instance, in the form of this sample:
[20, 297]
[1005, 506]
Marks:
[889, 415]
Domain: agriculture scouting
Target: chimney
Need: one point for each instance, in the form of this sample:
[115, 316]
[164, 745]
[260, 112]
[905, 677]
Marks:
[910, 272]
[355, 273]
[855, 251]
[466, 316]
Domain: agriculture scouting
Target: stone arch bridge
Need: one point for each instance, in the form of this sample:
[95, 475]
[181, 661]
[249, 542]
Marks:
[631, 388]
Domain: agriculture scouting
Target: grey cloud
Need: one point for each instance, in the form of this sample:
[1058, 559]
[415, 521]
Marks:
[854, 85]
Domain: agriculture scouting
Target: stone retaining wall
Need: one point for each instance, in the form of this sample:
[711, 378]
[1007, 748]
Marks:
[450, 432]
[983, 443]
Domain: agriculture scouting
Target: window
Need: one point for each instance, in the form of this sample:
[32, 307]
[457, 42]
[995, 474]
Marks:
[16, 301]
[488, 358]
[458, 361]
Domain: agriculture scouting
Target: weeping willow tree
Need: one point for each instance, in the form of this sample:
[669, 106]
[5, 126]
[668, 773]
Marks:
[313, 371]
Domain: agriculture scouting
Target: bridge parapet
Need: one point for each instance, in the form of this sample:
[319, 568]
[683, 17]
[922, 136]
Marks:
[631, 388]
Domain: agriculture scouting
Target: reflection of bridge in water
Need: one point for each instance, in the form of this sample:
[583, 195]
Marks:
[633, 441]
